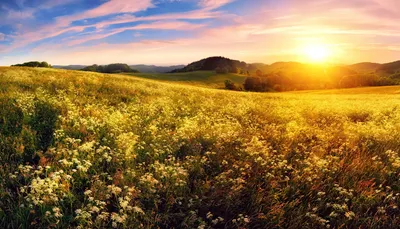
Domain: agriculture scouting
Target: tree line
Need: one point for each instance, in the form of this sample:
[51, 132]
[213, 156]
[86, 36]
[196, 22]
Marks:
[111, 68]
[34, 64]
[327, 79]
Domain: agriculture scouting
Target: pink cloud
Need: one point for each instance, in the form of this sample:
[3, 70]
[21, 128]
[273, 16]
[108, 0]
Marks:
[258, 36]
[213, 4]
[169, 25]
[62, 23]
[127, 18]
[159, 25]
[110, 7]
[61, 26]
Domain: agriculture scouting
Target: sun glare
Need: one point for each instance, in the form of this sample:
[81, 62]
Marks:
[317, 52]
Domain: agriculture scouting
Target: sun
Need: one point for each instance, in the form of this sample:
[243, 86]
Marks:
[317, 52]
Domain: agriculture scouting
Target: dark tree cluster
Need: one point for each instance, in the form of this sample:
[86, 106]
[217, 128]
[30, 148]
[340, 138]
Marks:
[111, 68]
[313, 78]
[229, 85]
[257, 84]
[219, 64]
[34, 64]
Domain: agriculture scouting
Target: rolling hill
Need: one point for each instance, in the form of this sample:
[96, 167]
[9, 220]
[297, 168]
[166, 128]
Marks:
[212, 64]
[140, 67]
[389, 68]
[155, 69]
[70, 67]
[294, 75]
[209, 79]
[365, 67]
[214, 71]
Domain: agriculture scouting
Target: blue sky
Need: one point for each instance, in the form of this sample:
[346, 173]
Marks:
[181, 31]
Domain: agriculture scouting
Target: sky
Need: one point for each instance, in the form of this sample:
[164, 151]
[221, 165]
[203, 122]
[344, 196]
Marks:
[168, 32]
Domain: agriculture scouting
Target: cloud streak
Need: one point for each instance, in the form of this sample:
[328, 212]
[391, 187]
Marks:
[259, 31]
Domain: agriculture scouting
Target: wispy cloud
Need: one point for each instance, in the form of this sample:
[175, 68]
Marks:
[159, 25]
[213, 4]
[256, 30]
[114, 7]
[108, 8]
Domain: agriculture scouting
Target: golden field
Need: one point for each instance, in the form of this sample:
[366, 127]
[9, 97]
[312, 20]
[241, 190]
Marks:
[87, 150]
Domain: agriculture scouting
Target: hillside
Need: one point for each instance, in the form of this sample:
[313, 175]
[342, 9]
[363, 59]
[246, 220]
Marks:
[70, 67]
[155, 69]
[292, 76]
[366, 67]
[389, 68]
[212, 64]
[209, 79]
[111, 68]
[78, 145]
[140, 67]
[282, 76]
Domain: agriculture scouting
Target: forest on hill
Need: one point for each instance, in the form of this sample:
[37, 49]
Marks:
[111, 68]
[143, 68]
[279, 76]
[34, 64]
[289, 76]
[154, 68]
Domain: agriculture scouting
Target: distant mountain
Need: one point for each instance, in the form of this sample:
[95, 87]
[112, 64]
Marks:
[70, 67]
[155, 69]
[389, 68]
[258, 66]
[365, 67]
[111, 68]
[212, 64]
[140, 67]
[285, 65]
[236, 66]
[223, 64]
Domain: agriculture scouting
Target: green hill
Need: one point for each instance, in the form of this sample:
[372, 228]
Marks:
[155, 69]
[389, 68]
[70, 67]
[365, 67]
[111, 68]
[209, 79]
[140, 67]
[288, 76]
[214, 63]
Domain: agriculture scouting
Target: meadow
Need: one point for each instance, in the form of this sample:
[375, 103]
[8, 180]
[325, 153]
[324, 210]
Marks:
[208, 79]
[88, 150]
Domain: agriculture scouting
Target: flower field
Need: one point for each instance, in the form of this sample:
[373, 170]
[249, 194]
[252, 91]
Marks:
[87, 150]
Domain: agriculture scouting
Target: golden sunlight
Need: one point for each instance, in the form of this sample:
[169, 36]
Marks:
[317, 52]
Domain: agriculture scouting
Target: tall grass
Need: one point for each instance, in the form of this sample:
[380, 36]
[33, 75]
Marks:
[98, 151]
